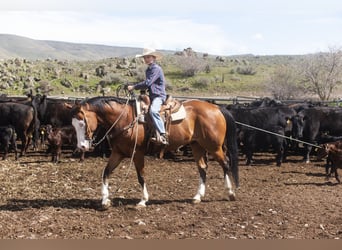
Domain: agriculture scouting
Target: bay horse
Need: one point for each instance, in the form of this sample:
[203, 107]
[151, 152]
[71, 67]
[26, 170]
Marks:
[207, 128]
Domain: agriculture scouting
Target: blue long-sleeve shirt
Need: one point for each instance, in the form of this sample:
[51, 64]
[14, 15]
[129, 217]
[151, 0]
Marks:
[155, 82]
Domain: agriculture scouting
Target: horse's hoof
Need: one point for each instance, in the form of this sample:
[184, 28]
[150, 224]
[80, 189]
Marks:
[196, 201]
[141, 204]
[232, 197]
[106, 204]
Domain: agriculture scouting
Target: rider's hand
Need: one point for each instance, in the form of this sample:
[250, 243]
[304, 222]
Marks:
[130, 87]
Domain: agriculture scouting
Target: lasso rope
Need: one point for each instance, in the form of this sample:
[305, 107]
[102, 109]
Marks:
[284, 136]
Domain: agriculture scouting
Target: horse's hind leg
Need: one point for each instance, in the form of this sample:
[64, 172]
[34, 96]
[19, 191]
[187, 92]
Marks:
[200, 159]
[113, 162]
[223, 161]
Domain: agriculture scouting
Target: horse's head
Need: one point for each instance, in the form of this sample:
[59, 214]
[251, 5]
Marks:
[85, 123]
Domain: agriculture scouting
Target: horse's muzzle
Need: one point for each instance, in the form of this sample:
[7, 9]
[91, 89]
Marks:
[86, 145]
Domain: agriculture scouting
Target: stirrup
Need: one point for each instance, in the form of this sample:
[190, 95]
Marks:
[160, 139]
[163, 140]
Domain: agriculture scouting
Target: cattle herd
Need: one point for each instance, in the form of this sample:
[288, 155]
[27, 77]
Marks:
[290, 128]
[37, 121]
[283, 128]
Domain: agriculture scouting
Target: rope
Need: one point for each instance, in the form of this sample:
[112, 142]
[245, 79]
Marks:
[284, 136]
[132, 158]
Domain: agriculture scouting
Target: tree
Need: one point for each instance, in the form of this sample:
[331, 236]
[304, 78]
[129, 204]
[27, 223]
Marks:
[322, 73]
[284, 83]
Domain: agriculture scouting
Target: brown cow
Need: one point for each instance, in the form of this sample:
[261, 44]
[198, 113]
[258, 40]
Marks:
[58, 137]
[333, 151]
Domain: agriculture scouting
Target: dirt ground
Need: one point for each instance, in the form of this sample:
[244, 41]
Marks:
[42, 200]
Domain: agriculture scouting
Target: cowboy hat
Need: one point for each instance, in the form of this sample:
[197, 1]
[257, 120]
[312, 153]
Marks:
[150, 52]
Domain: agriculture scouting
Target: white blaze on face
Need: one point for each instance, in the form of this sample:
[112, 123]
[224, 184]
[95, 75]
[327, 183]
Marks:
[80, 128]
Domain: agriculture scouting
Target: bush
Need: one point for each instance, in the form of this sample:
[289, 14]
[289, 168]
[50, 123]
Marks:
[112, 78]
[201, 83]
[248, 70]
[190, 66]
[139, 73]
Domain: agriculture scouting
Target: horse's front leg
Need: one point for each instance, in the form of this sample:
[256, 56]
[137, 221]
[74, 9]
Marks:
[113, 162]
[139, 162]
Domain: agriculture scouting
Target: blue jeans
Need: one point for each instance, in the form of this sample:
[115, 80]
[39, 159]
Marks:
[154, 112]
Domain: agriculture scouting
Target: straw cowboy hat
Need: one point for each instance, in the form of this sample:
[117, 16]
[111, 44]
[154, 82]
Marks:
[150, 52]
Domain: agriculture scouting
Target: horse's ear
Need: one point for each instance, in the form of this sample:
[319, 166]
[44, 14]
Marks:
[67, 105]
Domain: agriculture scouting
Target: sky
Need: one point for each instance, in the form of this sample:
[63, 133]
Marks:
[218, 27]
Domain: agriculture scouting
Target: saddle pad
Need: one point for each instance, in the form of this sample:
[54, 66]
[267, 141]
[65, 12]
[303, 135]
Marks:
[179, 115]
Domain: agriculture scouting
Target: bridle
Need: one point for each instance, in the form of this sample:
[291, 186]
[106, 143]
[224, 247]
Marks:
[89, 133]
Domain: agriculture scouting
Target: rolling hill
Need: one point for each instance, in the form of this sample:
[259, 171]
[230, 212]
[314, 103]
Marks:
[13, 46]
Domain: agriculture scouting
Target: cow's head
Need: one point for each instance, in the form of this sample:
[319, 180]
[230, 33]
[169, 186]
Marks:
[297, 126]
[323, 151]
[40, 103]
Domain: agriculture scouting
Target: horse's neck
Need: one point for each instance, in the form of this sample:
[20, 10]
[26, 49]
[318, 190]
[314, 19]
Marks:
[118, 114]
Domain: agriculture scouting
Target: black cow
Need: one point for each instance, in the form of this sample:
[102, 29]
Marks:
[43, 133]
[103, 148]
[8, 137]
[273, 120]
[27, 101]
[54, 112]
[318, 122]
[22, 118]
[58, 137]
[265, 102]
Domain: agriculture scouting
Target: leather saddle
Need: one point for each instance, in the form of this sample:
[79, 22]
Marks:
[171, 110]
[169, 107]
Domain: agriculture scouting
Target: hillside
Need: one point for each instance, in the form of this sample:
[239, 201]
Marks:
[70, 69]
[229, 76]
[12, 46]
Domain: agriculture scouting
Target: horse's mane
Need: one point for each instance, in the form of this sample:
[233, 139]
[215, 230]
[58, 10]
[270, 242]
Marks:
[100, 101]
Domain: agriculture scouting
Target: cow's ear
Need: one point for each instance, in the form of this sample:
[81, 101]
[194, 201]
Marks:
[67, 105]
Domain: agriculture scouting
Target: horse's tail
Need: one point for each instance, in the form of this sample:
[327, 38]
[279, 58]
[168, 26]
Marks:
[231, 143]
